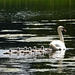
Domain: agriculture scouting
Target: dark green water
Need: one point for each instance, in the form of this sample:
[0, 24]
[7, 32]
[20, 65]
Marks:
[22, 10]
[34, 22]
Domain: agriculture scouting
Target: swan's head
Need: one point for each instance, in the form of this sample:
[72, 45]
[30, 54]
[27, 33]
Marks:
[61, 28]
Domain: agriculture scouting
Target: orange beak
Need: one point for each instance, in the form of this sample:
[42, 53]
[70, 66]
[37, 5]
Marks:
[64, 30]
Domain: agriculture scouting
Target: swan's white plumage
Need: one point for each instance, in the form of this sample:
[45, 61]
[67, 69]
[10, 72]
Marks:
[58, 44]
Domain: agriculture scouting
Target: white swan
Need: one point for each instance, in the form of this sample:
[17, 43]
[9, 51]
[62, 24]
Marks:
[59, 44]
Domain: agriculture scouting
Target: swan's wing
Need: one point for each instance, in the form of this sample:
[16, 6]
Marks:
[57, 45]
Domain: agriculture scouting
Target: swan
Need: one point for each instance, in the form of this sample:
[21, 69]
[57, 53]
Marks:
[10, 52]
[27, 51]
[25, 48]
[42, 50]
[59, 44]
[34, 49]
[18, 51]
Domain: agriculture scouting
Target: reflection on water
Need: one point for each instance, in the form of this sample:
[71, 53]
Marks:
[31, 66]
[31, 34]
[34, 23]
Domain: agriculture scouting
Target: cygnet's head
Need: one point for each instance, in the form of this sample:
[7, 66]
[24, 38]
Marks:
[30, 48]
[42, 47]
[34, 47]
[18, 49]
[25, 48]
[10, 50]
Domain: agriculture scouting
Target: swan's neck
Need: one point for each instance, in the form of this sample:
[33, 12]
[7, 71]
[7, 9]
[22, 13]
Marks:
[61, 36]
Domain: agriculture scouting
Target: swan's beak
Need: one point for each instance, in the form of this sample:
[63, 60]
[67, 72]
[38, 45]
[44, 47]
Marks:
[64, 30]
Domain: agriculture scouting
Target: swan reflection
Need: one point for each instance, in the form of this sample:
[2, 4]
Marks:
[60, 66]
[59, 56]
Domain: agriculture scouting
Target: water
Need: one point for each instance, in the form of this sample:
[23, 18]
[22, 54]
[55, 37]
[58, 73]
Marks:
[34, 23]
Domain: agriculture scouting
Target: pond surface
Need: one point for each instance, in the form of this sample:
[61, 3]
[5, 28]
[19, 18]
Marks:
[34, 23]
